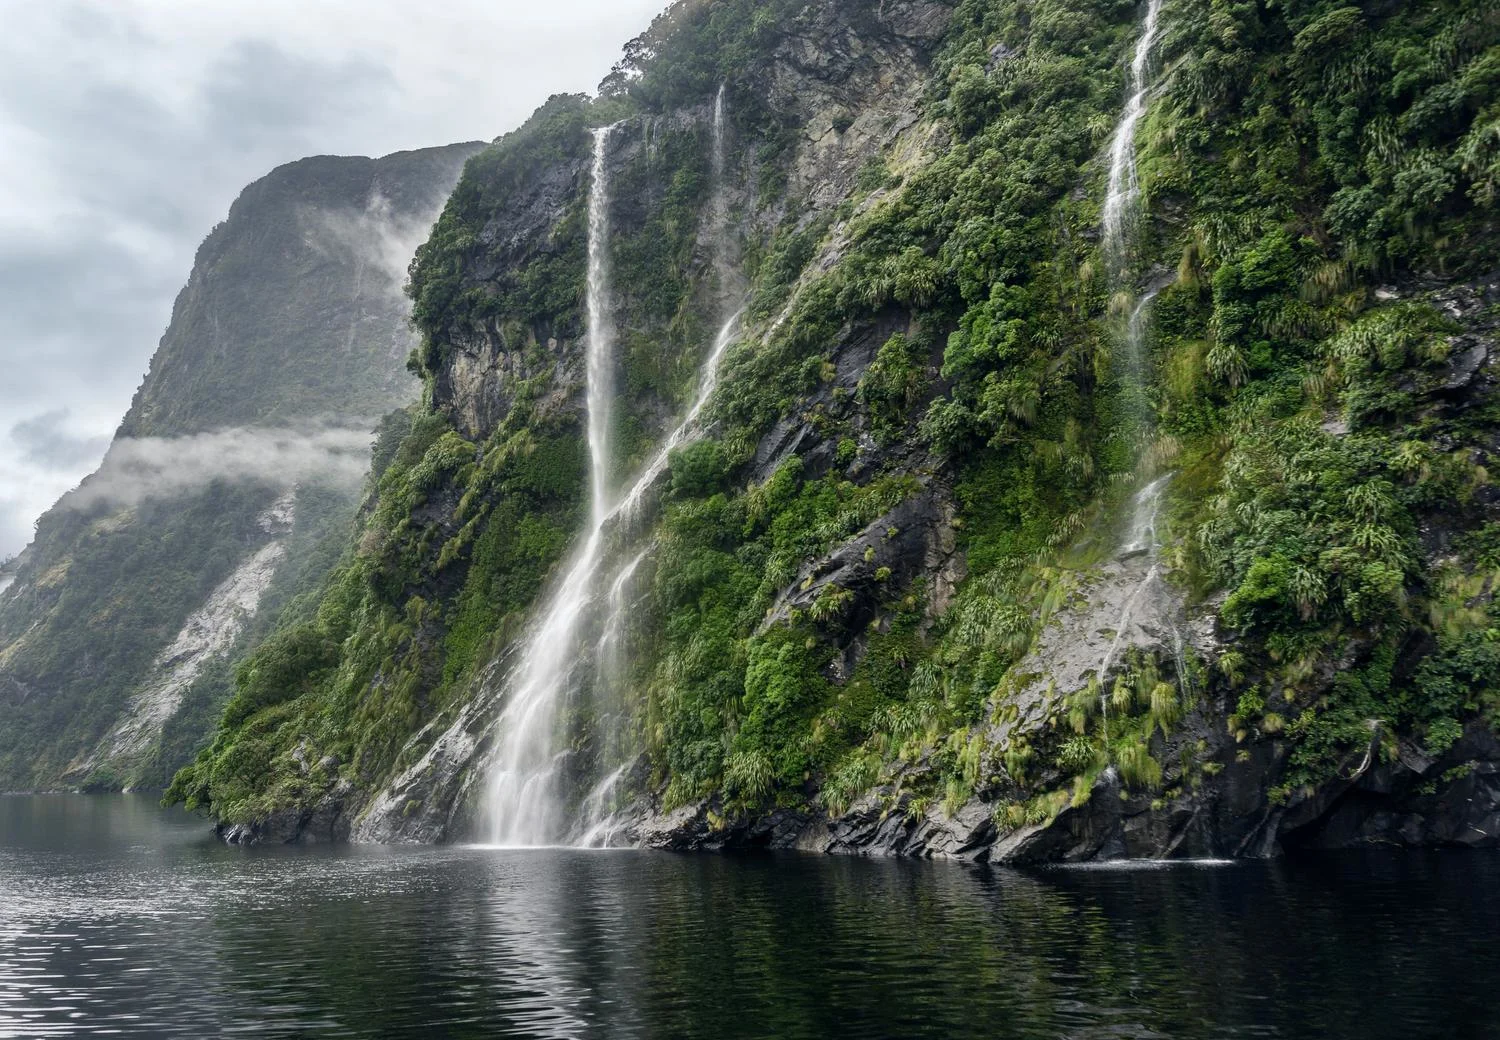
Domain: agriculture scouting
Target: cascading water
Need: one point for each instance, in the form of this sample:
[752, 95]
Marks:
[523, 797]
[1120, 217]
[1119, 220]
[1122, 202]
[525, 801]
[601, 328]
[1124, 185]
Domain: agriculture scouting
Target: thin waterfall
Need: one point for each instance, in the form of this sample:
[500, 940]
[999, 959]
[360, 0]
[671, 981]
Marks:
[601, 329]
[526, 801]
[1122, 202]
[1124, 185]
[1120, 219]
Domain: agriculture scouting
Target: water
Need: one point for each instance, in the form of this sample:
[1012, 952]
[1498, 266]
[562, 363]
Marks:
[601, 329]
[1122, 204]
[1124, 190]
[1121, 207]
[118, 918]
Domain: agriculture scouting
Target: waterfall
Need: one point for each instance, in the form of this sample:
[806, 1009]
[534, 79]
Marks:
[600, 328]
[523, 793]
[1120, 217]
[1122, 203]
[1124, 185]
[523, 796]
[526, 801]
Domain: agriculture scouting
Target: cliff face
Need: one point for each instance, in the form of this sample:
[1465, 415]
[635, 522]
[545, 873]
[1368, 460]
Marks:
[231, 480]
[1087, 474]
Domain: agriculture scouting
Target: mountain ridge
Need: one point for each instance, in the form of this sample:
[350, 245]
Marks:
[291, 315]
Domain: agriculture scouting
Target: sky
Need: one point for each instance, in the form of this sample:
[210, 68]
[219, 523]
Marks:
[127, 127]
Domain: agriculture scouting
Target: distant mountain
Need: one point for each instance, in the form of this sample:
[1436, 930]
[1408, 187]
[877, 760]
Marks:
[242, 455]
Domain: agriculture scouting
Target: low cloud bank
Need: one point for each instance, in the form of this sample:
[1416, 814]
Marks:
[148, 467]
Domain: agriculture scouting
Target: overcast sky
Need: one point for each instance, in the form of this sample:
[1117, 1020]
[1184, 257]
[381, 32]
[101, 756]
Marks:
[127, 127]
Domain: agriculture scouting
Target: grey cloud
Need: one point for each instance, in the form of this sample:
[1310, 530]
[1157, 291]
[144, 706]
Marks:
[258, 89]
[45, 441]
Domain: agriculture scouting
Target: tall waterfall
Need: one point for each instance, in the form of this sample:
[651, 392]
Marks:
[523, 796]
[527, 804]
[1119, 224]
[1120, 218]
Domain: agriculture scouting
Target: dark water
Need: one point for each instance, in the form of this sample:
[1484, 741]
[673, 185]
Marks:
[116, 917]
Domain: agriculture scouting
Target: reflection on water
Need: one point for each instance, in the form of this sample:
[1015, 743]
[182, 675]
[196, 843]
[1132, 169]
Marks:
[118, 917]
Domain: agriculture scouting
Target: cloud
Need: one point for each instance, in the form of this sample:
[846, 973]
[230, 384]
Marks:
[129, 126]
[45, 441]
[383, 241]
[136, 469]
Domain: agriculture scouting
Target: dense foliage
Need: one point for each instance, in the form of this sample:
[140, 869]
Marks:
[1316, 176]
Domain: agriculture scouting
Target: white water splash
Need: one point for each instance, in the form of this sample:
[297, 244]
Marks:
[597, 813]
[1124, 183]
[1142, 538]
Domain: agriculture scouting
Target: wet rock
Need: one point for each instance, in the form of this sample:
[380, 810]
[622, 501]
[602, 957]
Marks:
[1001, 53]
[323, 824]
[1464, 365]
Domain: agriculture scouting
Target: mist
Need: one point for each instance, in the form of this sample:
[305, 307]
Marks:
[380, 243]
[135, 469]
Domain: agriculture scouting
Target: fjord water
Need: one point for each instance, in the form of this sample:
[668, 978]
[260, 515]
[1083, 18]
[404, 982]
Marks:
[120, 918]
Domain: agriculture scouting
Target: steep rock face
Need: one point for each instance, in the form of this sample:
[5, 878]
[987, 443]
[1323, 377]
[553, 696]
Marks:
[115, 635]
[831, 63]
[1225, 785]
[294, 308]
[989, 544]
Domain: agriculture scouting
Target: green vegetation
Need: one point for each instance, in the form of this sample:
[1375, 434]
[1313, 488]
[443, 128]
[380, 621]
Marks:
[947, 351]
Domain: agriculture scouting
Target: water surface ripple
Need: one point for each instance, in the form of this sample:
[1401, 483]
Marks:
[117, 918]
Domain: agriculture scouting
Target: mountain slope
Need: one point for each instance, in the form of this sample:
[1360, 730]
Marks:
[1097, 468]
[241, 457]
